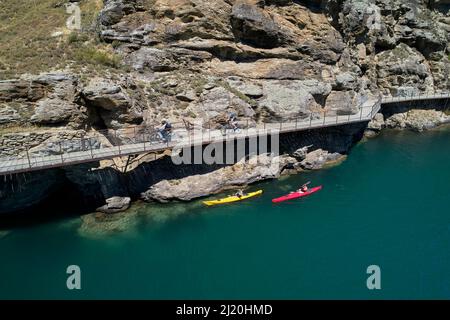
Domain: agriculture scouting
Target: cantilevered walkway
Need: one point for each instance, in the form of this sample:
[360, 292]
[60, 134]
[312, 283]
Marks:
[127, 142]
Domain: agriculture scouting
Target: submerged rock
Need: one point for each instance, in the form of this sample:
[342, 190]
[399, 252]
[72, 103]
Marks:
[115, 204]
[4, 233]
[98, 224]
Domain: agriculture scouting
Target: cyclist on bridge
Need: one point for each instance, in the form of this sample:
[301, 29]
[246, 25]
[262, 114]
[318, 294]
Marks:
[165, 130]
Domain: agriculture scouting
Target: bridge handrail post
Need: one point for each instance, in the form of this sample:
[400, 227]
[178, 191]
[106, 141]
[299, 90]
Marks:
[337, 117]
[324, 116]
[90, 147]
[61, 152]
[28, 157]
[115, 134]
[310, 120]
[296, 122]
[361, 107]
[281, 124]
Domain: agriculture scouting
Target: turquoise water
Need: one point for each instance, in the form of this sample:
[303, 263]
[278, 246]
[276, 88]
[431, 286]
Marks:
[387, 204]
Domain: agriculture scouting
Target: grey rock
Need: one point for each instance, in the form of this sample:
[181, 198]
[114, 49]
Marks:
[187, 96]
[248, 88]
[8, 115]
[301, 153]
[377, 122]
[346, 81]
[317, 159]
[403, 66]
[55, 111]
[341, 103]
[215, 102]
[105, 94]
[289, 99]
[417, 120]
[115, 10]
[242, 173]
[253, 25]
[115, 204]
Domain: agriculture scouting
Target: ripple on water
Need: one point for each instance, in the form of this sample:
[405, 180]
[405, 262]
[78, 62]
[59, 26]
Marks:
[4, 233]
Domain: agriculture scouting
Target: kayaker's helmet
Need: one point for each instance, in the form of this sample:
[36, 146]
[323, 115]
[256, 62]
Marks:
[163, 122]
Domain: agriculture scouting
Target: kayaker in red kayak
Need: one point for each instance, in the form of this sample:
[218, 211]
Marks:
[303, 191]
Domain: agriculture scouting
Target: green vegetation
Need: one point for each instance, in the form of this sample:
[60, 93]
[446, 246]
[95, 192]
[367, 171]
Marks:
[237, 93]
[94, 56]
[198, 84]
[19, 128]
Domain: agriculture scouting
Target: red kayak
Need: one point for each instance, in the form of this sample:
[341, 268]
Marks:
[295, 195]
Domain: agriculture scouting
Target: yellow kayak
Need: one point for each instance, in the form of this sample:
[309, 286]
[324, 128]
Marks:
[233, 198]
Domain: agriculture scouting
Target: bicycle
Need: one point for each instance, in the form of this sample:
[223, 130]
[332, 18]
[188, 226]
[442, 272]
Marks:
[227, 128]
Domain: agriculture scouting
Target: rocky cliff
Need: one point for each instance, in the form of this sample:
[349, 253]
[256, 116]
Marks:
[135, 62]
[263, 59]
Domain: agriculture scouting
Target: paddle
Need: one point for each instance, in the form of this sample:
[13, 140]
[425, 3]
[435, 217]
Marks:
[309, 182]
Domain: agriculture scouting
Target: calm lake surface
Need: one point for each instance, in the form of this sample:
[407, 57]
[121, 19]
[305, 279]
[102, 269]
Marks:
[387, 204]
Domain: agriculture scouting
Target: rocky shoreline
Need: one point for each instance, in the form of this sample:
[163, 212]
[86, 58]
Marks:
[263, 167]
[147, 60]
[416, 120]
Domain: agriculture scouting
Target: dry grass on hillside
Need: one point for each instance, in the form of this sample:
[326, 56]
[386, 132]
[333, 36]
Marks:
[27, 44]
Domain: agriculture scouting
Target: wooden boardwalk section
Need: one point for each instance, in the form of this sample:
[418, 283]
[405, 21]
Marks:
[183, 138]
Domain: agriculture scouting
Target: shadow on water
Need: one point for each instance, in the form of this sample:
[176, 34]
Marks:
[64, 203]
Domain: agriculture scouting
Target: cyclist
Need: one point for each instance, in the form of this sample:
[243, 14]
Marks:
[164, 131]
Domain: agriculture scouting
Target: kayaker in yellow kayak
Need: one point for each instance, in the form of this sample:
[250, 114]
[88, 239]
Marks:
[240, 193]
[238, 196]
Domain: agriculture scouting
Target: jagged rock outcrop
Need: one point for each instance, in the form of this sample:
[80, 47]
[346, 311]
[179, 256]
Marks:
[258, 168]
[317, 159]
[417, 120]
[47, 99]
[114, 103]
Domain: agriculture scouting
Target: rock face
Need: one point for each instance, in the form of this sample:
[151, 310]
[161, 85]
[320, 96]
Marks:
[242, 173]
[253, 25]
[417, 120]
[113, 103]
[377, 122]
[264, 60]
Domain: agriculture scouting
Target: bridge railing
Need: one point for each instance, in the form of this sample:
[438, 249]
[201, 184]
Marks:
[414, 96]
[110, 143]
